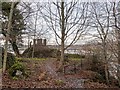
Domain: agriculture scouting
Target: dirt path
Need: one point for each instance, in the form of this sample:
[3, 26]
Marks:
[50, 68]
[73, 82]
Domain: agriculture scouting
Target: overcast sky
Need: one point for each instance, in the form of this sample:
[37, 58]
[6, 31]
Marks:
[51, 37]
[60, 0]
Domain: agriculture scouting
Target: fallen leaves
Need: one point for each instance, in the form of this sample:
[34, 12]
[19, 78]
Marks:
[42, 76]
[95, 85]
[39, 78]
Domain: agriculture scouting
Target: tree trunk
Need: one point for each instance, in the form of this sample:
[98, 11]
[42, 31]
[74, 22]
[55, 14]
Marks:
[106, 61]
[117, 25]
[33, 52]
[62, 38]
[118, 74]
[33, 48]
[7, 37]
[15, 49]
[118, 38]
[14, 45]
[107, 74]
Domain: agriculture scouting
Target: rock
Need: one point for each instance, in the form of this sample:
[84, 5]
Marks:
[18, 73]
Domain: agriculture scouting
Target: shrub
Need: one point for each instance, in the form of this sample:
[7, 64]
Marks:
[15, 67]
[66, 58]
[98, 77]
[113, 81]
[15, 78]
[28, 52]
[55, 53]
[75, 56]
[10, 59]
[98, 66]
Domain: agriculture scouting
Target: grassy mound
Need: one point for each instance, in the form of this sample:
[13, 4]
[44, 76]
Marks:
[42, 52]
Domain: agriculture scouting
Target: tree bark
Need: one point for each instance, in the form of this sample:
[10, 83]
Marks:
[62, 38]
[118, 70]
[33, 51]
[7, 37]
[106, 61]
[15, 48]
[14, 45]
[117, 26]
[34, 35]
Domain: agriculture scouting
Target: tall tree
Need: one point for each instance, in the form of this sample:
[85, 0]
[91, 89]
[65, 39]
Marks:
[116, 12]
[17, 24]
[7, 36]
[35, 31]
[101, 21]
[67, 20]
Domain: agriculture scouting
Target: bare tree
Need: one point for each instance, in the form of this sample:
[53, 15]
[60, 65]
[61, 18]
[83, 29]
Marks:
[35, 31]
[35, 28]
[116, 12]
[101, 22]
[67, 20]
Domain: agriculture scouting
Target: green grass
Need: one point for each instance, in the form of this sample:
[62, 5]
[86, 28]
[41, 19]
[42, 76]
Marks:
[59, 82]
[19, 59]
[1, 70]
[75, 59]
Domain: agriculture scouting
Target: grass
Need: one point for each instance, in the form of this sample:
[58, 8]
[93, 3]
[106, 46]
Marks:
[75, 59]
[1, 70]
[59, 82]
[19, 59]
[41, 59]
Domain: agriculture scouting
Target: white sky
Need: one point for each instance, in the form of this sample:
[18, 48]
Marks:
[51, 39]
[60, 0]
